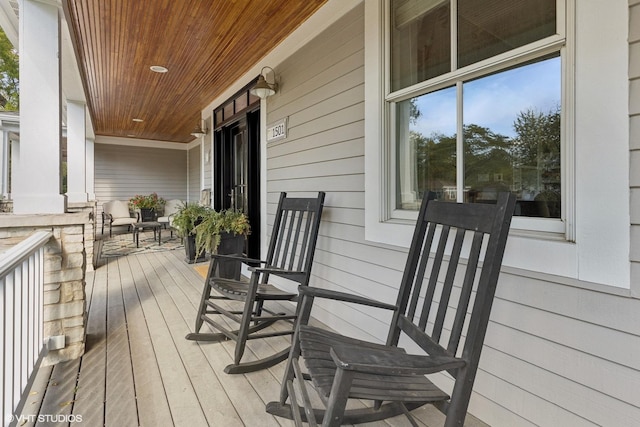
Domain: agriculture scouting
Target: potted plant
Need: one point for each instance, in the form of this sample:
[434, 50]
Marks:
[223, 232]
[148, 206]
[185, 220]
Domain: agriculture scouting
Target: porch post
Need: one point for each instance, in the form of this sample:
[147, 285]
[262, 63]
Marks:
[76, 152]
[4, 165]
[90, 169]
[15, 159]
[37, 186]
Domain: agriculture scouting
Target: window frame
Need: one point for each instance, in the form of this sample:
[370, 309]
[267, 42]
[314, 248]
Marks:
[557, 43]
[596, 255]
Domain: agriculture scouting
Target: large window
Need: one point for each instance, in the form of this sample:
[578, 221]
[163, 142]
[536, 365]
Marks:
[475, 102]
[468, 98]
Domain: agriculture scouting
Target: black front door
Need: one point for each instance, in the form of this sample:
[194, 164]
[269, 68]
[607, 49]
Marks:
[237, 173]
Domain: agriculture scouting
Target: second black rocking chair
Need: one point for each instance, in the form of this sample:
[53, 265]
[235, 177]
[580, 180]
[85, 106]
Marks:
[290, 256]
[441, 312]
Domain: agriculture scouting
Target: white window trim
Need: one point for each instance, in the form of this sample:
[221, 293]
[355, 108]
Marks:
[543, 252]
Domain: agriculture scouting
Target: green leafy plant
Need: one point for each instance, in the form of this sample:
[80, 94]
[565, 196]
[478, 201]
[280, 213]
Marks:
[214, 224]
[152, 201]
[9, 75]
[187, 217]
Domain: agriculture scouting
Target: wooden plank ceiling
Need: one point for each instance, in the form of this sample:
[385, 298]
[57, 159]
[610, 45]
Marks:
[205, 44]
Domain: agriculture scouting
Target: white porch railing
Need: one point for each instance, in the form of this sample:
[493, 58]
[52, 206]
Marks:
[21, 320]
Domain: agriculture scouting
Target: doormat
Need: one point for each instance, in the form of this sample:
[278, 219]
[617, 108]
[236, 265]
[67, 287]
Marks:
[123, 244]
[202, 269]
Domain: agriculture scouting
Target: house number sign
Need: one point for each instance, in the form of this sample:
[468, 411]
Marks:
[277, 130]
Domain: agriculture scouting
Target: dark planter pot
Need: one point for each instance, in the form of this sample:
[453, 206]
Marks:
[190, 247]
[230, 244]
[148, 214]
[190, 250]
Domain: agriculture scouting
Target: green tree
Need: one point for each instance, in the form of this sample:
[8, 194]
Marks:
[9, 69]
[528, 163]
[538, 135]
[536, 151]
[414, 111]
[487, 159]
[436, 161]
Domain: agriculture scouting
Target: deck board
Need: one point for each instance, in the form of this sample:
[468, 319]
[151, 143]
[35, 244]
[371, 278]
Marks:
[153, 407]
[204, 381]
[60, 394]
[183, 400]
[120, 391]
[91, 385]
[183, 309]
[35, 399]
[139, 370]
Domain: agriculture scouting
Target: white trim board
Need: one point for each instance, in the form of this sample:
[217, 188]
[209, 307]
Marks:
[147, 143]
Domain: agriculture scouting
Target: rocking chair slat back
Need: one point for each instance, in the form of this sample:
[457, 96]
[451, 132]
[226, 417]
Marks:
[449, 234]
[296, 222]
[448, 285]
[289, 257]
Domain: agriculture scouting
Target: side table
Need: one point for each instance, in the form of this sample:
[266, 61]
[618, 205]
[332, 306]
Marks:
[157, 231]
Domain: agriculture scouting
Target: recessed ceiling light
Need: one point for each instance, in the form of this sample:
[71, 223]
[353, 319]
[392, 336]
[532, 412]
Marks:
[138, 120]
[158, 69]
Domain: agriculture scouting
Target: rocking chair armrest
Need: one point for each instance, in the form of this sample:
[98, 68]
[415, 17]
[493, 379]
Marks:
[343, 296]
[390, 362]
[239, 257]
[287, 274]
[107, 217]
[252, 262]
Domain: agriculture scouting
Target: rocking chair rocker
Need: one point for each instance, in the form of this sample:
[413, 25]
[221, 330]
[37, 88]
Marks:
[432, 311]
[290, 256]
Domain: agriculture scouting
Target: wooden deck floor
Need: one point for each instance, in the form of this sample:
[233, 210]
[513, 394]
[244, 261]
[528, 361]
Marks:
[138, 368]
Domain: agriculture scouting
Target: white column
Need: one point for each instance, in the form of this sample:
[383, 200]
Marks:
[202, 165]
[76, 152]
[15, 160]
[37, 186]
[4, 165]
[90, 169]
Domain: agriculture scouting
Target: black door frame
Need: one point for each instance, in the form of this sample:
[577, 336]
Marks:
[224, 173]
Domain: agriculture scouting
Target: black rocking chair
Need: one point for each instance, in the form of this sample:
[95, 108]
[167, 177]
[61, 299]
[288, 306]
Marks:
[290, 256]
[432, 311]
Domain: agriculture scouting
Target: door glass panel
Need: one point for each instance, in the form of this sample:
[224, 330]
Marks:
[240, 169]
[237, 173]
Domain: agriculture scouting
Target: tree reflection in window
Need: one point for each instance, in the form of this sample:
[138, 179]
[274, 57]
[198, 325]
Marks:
[503, 149]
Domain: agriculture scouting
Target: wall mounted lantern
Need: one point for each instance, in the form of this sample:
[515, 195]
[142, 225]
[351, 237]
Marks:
[199, 131]
[262, 88]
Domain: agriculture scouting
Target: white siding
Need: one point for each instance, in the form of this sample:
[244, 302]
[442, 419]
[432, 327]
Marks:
[194, 174]
[207, 160]
[121, 172]
[556, 353]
